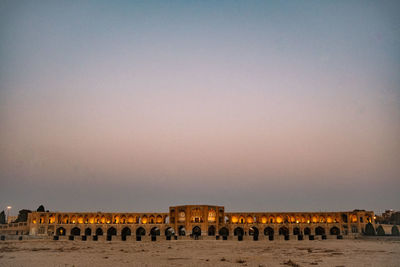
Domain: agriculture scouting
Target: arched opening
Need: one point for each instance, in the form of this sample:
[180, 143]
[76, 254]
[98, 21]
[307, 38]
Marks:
[112, 231]
[196, 231]
[242, 220]
[268, 231]
[283, 231]
[253, 231]
[126, 231]
[319, 231]
[307, 231]
[99, 231]
[75, 231]
[155, 231]
[224, 231]
[211, 230]
[238, 231]
[296, 231]
[169, 231]
[334, 231]
[60, 231]
[182, 230]
[140, 231]
[88, 231]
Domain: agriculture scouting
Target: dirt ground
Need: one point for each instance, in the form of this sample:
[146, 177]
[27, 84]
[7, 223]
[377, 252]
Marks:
[359, 252]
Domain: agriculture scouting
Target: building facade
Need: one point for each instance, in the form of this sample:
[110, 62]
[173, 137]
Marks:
[192, 221]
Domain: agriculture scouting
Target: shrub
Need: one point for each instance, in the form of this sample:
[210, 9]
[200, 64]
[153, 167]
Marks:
[369, 229]
[380, 231]
[395, 230]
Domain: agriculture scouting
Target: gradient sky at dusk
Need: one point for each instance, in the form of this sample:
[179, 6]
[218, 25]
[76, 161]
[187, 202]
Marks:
[254, 105]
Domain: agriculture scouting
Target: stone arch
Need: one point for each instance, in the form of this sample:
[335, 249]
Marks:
[159, 219]
[268, 231]
[211, 230]
[154, 231]
[296, 231]
[283, 231]
[123, 219]
[152, 219]
[131, 219]
[65, 219]
[242, 219]
[169, 231]
[263, 219]
[112, 231]
[238, 231]
[88, 231]
[75, 231]
[60, 231]
[314, 219]
[319, 230]
[249, 219]
[99, 231]
[223, 231]
[279, 219]
[344, 218]
[307, 231]
[353, 218]
[126, 231]
[143, 220]
[334, 231]
[52, 219]
[196, 231]
[253, 231]
[271, 219]
[140, 231]
[286, 219]
[182, 230]
[73, 219]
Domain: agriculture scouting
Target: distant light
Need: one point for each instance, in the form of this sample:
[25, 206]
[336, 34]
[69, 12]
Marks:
[9, 207]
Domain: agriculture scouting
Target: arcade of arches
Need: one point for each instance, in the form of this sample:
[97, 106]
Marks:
[198, 220]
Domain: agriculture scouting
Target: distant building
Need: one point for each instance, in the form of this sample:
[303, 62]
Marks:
[193, 221]
[11, 219]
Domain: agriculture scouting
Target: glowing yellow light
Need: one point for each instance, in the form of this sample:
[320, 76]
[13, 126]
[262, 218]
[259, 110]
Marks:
[234, 219]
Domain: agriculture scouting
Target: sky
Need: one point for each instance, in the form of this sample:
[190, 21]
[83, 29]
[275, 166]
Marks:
[253, 105]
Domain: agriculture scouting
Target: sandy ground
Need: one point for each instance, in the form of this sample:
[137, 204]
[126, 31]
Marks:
[358, 252]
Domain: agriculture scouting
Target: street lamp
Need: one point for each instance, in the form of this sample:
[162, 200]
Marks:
[8, 212]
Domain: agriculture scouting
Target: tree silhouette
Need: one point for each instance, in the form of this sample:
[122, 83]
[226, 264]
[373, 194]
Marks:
[395, 230]
[40, 209]
[369, 229]
[380, 231]
[2, 217]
